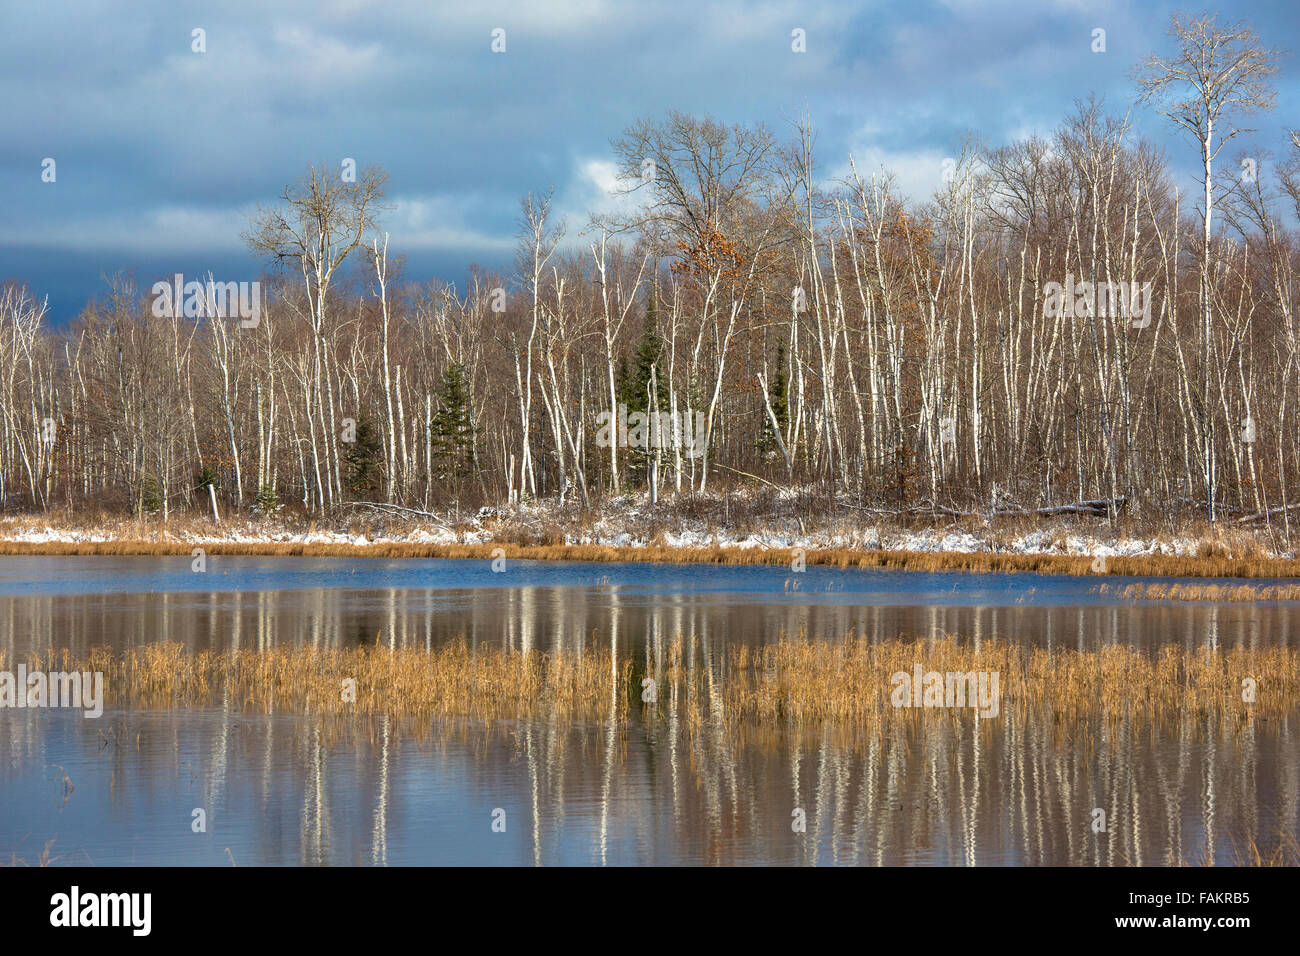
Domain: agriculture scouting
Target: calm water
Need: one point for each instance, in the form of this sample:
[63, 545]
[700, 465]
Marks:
[289, 790]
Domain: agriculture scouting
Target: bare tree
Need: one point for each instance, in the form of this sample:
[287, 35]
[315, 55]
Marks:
[318, 223]
[1218, 75]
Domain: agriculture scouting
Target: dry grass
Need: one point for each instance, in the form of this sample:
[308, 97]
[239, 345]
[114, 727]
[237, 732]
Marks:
[44, 860]
[1285, 853]
[792, 682]
[451, 681]
[1155, 565]
[1208, 592]
[850, 680]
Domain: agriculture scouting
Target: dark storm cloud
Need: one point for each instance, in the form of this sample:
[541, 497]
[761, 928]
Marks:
[162, 152]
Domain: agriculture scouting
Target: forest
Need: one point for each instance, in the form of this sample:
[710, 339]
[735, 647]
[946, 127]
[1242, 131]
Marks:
[748, 320]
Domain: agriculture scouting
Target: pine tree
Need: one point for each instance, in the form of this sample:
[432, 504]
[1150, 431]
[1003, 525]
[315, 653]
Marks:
[267, 500]
[151, 495]
[778, 394]
[363, 461]
[649, 354]
[452, 428]
[623, 388]
[634, 385]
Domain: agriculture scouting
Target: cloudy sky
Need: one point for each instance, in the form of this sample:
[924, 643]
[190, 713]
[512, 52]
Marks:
[162, 152]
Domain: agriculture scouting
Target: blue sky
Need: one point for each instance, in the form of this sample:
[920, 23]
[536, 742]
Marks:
[161, 152]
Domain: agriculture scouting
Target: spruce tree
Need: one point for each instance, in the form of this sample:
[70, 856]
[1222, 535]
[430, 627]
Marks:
[649, 354]
[363, 462]
[634, 385]
[778, 394]
[452, 428]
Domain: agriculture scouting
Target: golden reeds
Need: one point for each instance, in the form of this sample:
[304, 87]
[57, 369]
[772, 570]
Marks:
[44, 860]
[1286, 852]
[1153, 565]
[450, 681]
[791, 682]
[850, 680]
[1207, 592]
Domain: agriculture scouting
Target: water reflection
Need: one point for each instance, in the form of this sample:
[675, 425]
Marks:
[554, 618]
[658, 788]
[294, 791]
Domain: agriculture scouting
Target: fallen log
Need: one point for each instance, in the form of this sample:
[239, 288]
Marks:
[1261, 515]
[398, 509]
[1100, 507]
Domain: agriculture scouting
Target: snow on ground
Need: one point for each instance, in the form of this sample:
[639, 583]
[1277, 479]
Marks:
[625, 521]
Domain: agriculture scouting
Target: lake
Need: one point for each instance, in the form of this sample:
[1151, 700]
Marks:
[279, 788]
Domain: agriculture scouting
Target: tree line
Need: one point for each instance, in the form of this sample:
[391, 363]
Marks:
[746, 319]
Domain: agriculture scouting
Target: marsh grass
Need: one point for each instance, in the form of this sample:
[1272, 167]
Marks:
[1207, 592]
[44, 860]
[451, 681]
[1066, 716]
[849, 681]
[1284, 852]
[793, 682]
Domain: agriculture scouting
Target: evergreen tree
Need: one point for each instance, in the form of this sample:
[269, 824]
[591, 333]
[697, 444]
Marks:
[778, 394]
[623, 388]
[633, 385]
[151, 495]
[204, 478]
[649, 355]
[267, 500]
[363, 462]
[452, 428]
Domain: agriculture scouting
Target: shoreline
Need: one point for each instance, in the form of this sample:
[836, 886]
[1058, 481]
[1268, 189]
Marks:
[1076, 565]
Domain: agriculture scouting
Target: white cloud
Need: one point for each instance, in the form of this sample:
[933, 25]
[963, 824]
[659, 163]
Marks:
[441, 223]
[592, 190]
[528, 17]
[918, 174]
[169, 228]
